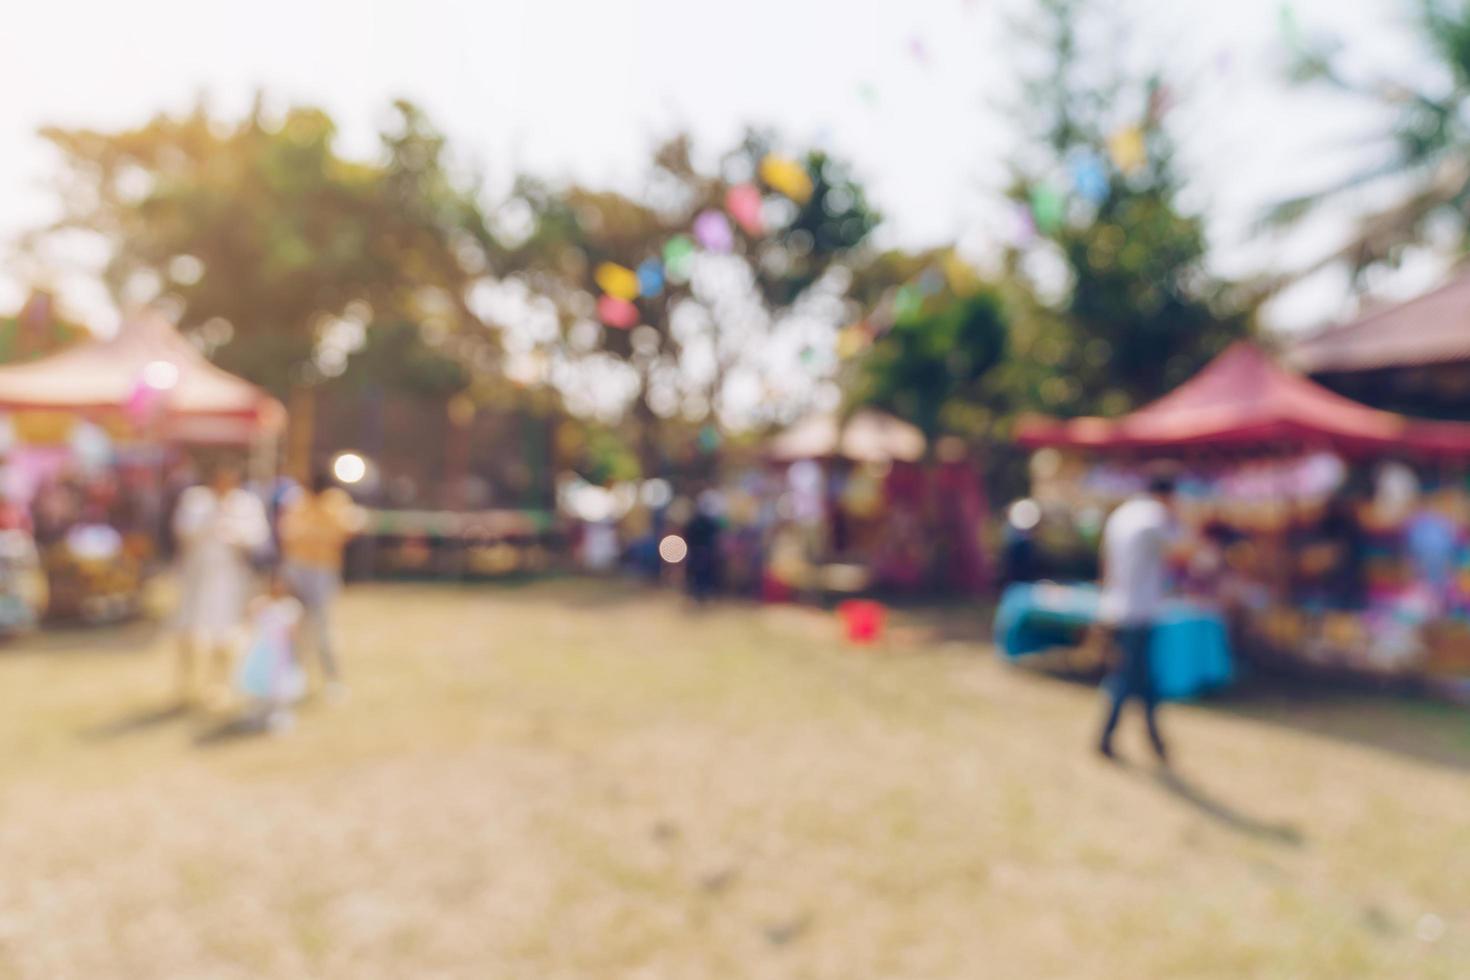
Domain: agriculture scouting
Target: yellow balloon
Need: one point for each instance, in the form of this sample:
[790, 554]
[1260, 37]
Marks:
[787, 176]
[617, 280]
[1127, 149]
[852, 341]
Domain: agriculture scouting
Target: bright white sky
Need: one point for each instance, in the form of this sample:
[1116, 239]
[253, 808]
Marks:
[581, 88]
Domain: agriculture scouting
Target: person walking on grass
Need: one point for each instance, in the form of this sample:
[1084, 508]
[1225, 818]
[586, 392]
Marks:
[315, 529]
[218, 527]
[1134, 551]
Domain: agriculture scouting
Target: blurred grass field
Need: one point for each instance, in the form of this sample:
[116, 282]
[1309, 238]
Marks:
[575, 779]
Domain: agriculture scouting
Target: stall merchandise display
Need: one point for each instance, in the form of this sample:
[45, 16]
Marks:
[1379, 585]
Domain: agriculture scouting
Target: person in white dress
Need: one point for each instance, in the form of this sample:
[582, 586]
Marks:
[218, 526]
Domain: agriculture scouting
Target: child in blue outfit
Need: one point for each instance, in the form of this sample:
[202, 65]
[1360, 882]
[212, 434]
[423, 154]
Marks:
[271, 675]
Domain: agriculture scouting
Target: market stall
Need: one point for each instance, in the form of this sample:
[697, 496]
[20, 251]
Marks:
[454, 544]
[866, 510]
[1330, 534]
[89, 435]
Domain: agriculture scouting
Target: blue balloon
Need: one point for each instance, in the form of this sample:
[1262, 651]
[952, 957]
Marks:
[1089, 178]
[650, 278]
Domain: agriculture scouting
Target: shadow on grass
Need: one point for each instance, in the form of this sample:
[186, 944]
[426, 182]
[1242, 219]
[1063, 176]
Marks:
[1407, 725]
[134, 636]
[233, 730]
[135, 723]
[1396, 722]
[1225, 814]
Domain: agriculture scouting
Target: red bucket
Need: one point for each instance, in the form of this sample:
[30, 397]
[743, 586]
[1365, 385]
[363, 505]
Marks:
[862, 620]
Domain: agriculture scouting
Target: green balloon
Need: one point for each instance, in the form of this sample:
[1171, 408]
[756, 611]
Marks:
[1048, 208]
[678, 255]
[908, 302]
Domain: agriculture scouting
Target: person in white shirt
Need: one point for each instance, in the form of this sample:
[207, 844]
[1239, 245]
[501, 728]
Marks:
[1134, 550]
[218, 527]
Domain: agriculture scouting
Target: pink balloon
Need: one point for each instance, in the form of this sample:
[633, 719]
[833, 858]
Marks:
[743, 201]
[616, 312]
[712, 230]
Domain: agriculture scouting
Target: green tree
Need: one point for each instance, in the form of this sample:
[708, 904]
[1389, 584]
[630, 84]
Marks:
[1420, 159]
[262, 230]
[37, 330]
[709, 324]
[934, 368]
[1114, 302]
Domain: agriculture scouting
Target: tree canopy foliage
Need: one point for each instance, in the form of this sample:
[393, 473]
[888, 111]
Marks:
[1116, 303]
[265, 236]
[1419, 160]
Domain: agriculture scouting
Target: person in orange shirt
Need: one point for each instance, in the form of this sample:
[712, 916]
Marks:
[315, 529]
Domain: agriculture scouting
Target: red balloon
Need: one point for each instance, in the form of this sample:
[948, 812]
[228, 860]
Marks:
[616, 312]
[743, 201]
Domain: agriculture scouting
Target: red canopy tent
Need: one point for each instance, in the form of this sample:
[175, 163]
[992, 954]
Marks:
[190, 400]
[1242, 399]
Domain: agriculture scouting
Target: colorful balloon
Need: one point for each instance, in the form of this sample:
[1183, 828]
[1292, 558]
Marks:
[963, 280]
[853, 340]
[743, 201]
[1048, 208]
[787, 176]
[617, 280]
[908, 302]
[615, 312]
[712, 231]
[678, 258]
[1089, 177]
[650, 278]
[1025, 230]
[1128, 149]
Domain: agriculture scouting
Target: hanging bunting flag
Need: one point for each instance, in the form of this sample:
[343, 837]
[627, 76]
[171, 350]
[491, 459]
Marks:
[650, 278]
[786, 176]
[908, 302]
[743, 201]
[1048, 208]
[712, 231]
[1128, 149]
[615, 312]
[1025, 228]
[1160, 101]
[617, 280]
[962, 278]
[678, 257]
[1291, 28]
[1089, 177]
[853, 340]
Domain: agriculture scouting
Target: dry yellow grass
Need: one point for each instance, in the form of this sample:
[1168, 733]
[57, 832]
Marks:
[583, 780]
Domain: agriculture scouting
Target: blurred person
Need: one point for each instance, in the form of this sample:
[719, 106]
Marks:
[702, 535]
[1134, 559]
[218, 527]
[316, 526]
[1018, 556]
[270, 674]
